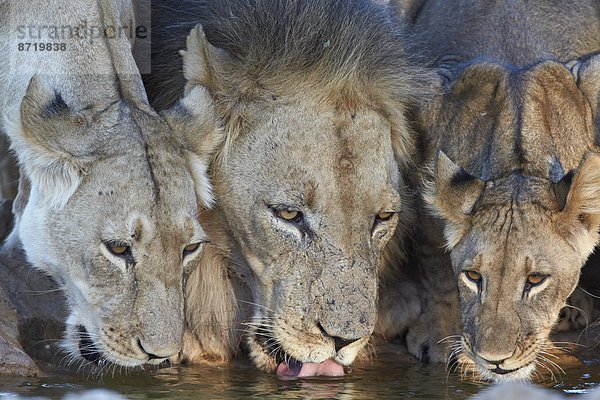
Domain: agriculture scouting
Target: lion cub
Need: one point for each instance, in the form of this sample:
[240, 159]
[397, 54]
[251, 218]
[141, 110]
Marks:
[513, 186]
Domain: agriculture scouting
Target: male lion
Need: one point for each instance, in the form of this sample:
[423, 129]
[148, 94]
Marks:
[107, 202]
[514, 186]
[312, 95]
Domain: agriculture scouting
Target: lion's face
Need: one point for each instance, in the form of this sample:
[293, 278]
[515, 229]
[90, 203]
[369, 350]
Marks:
[520, 206]
[111, 214]
[125, 288]
[311, 196]
[512, 285]
[308, 183]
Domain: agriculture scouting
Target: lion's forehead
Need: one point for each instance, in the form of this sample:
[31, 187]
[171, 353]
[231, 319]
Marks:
[138, 148]
[324, 149]
[513, 224]
[509, 228]
[137, 191]
[145, 170]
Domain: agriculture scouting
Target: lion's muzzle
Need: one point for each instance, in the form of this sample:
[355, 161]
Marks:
[87, 348]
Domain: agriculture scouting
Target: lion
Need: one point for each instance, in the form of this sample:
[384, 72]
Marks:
[310, 181]
[511, 179]
[109, 190]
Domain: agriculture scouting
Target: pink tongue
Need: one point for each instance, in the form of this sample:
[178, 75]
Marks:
[303, 370]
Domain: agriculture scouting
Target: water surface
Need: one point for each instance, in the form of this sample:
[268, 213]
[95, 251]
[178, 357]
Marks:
[387, 377]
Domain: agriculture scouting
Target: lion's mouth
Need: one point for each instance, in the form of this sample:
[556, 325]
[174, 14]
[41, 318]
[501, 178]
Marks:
[500, 374]
[493, 373]
[286, 366]
[87, 348]
[501, 371]
[291, 368]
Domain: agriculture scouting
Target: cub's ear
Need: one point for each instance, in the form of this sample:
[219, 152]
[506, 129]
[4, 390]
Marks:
[582, 206]
[587, 75]
[202, 62]
[452, 195]
[193, 118]
[49, 140]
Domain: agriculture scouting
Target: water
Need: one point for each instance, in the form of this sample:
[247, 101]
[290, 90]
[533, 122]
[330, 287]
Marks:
[387, 377]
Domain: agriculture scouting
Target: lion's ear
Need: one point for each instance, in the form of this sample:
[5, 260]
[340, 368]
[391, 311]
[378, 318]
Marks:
[587, 75]
[193, 118]
[202, 62]
[452, 195]
[49, 140]
[195, 114]
[582, 205]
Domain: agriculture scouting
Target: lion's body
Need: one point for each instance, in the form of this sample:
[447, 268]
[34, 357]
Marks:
[312, 96]
[513, 183]
[107, 199]
[518, 33]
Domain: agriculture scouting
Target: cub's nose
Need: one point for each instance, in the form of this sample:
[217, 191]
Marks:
[495, 362]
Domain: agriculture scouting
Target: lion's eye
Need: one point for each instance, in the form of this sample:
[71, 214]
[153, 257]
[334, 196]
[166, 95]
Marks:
[191, 248]
[534, 280]
[289, 215]
[118, 249]
[473, 276]
[384, 216]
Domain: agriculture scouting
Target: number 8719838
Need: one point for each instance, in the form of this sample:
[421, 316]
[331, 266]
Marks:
[41, 46]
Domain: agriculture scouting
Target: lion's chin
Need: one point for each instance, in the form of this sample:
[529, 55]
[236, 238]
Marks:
[296, 369]
[522, 374]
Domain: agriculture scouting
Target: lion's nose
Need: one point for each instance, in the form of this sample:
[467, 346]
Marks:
[338, 342]
[152, 356]
[494, 362]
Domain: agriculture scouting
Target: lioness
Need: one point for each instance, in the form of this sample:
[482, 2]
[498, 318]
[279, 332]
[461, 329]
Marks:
[107, 198]
[514, 187]
[312, 95]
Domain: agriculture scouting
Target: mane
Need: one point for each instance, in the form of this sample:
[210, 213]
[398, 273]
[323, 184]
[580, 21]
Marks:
[333, 39]
[348, 46]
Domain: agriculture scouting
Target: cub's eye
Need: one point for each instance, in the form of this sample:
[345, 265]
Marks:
[534, 280]
[118, 249]
[473, 276]
[191, 248]
[289, 215]
[384, 216]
